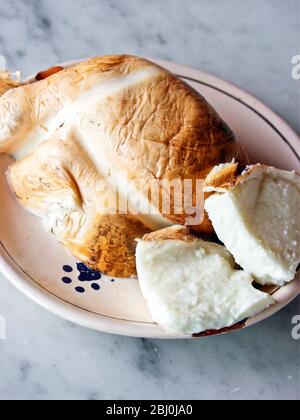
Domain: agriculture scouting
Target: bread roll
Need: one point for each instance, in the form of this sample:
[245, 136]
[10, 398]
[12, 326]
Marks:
[79, 133]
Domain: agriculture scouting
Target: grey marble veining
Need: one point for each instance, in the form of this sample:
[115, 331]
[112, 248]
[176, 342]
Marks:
[248, 43]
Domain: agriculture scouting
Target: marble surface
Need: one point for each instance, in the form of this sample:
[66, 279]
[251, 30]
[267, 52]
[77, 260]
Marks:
[248, 43]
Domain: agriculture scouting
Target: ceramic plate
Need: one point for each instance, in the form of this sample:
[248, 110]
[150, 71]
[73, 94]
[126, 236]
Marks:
[44, 271]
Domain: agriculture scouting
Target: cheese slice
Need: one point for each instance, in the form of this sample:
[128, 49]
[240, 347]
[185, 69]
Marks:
[192, 286]
[258, 220]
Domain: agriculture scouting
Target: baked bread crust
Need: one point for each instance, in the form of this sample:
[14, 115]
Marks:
[6, 83]
[172, 233]
[122, 110]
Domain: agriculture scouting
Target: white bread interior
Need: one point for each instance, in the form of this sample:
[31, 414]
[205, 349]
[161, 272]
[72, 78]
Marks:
[75, 134]
[258, 220]
[192, 286]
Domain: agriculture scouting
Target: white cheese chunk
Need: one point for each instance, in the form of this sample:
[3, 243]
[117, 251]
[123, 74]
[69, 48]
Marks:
[259, 222]
[193, 286]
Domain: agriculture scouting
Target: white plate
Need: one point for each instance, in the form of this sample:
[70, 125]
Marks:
[34, 262]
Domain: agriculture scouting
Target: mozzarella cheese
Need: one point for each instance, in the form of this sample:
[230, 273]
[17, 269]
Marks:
[259, 222]
[193, 286]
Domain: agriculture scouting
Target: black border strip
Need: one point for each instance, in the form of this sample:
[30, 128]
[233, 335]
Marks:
[246, 105]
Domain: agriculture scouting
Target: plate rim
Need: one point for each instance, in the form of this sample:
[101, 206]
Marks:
[107, 324]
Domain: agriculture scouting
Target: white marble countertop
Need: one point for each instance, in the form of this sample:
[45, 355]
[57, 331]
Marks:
[248, 43]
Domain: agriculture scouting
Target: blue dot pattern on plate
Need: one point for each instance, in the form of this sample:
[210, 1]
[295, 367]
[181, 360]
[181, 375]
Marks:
[66, 280]
[67, 269]
[85, 275]
[80, 289]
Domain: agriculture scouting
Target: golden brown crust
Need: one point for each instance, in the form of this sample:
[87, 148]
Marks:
[155, 127]
[173, 233]
[259, 170]
[104, 242]
[42, 75]
[249, 172]
[174, 134]
[6, 83]
[209, 333]
[112, 249]
[222, 177]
